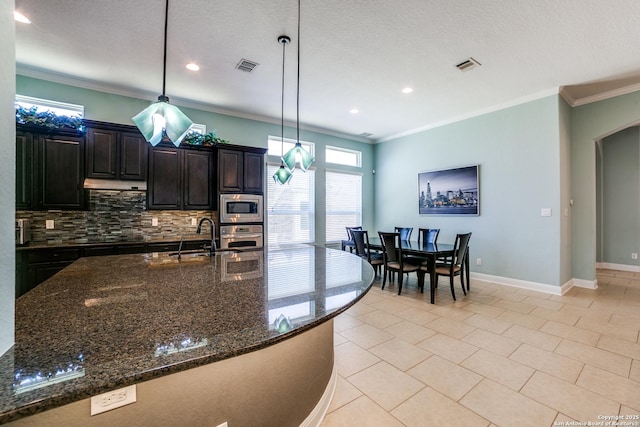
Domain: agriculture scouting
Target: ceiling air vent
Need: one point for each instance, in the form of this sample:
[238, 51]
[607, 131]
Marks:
[366, 134]
[468, 64]
[246, 65]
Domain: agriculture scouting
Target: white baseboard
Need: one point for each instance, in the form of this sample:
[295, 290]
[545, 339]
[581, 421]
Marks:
[320, 410]
[622, 267]
[535, 286]
[523, 284]
[581, 283]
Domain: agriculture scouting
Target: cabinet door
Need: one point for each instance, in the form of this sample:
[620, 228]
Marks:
[133, 156]
[198, 179]
[60, 172]
[230, 165]
[253, 171]
[165, 184]
[101, 153]
[24, 170]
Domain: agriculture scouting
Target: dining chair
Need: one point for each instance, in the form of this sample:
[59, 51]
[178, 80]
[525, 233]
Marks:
[453, 265]
[394, 261]
[405, 232]
[349, 242]
[428, 235]
[361, 245]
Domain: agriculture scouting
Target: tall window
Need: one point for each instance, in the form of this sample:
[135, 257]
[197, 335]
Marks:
[344, 203]
[291, 208]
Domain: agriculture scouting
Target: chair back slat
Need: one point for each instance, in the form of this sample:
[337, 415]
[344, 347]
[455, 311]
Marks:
[460, 248]
[428, 235]
[349, 231]
[405, 232]
[389, 246]
[361, 242]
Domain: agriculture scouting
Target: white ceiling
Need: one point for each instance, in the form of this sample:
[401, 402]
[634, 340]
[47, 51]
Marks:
[354, 54]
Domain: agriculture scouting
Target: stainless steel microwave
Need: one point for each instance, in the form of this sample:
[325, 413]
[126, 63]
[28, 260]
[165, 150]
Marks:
[241, 208]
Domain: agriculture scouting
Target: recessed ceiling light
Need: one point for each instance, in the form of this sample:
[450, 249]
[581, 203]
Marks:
[193, 67]
[407, 90]
[354, 111]
[21, 18]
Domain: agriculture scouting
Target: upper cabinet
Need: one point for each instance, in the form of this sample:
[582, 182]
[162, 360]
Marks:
[49, 170]
[115, 152]
[24, 169]
[181, 178]
[241, 169]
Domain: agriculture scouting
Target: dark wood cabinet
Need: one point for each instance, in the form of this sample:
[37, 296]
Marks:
[241, 169]
[49, 170]
[24, 170]
[181, 178]
[60, 172]
[115, 152]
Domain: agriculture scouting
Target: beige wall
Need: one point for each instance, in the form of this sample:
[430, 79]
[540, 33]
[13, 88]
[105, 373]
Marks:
[278, 386]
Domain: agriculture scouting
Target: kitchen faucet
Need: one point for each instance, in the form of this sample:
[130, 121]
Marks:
[212, 249]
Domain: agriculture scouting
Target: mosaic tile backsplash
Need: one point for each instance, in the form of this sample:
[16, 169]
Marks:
[113, 216]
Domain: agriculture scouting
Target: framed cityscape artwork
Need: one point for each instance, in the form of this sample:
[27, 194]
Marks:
[449, 192]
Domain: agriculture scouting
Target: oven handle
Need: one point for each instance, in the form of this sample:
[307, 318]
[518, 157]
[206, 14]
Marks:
[240, 236]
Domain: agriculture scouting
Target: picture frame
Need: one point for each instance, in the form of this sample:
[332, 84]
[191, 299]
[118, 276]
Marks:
[452, 191]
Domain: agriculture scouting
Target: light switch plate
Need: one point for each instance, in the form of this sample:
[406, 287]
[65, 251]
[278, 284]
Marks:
[49, 224]
[154, 222]
[545, 212]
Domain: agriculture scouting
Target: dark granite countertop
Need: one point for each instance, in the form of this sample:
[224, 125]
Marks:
[107, 322]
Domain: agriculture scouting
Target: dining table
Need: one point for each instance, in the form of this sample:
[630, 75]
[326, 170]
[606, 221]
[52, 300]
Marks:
[429, 251]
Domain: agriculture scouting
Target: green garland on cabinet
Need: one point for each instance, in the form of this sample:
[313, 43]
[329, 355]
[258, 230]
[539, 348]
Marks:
[47, 120]
[208, 139]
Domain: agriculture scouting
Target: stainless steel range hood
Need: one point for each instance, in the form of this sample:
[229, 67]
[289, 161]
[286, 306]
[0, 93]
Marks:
[114, 184]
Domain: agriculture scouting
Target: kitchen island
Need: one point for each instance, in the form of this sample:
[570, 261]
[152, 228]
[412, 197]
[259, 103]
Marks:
[242, 337]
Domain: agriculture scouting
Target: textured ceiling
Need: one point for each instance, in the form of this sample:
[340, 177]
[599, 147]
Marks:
[354, 54]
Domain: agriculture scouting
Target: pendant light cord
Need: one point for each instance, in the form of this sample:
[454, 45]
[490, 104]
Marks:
[284, 45]
[164, 62]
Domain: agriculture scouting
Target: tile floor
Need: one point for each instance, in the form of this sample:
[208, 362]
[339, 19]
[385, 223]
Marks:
[500, 356]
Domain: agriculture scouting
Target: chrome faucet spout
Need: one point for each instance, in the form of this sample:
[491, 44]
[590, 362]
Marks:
[212, 225]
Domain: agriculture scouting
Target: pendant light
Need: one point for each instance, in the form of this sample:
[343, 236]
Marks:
[298, 155]
[282, 175]
[162, 118]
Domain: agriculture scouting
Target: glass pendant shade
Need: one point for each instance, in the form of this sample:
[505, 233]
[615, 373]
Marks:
[162, 117]
[282, 175]
[298, 155]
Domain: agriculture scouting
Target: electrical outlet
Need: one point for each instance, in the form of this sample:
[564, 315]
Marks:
[154, 222]
[634, 255]
[49, 224]
[545, 212]
[113, 399]
[194, 221]
[478, 261]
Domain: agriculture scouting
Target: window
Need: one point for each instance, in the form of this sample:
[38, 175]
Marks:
[291, 208]
[343, 156]
[344, 204]
[58, 108]
[277, 147]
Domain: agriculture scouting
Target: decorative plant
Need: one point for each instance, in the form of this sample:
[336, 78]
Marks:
[47, 119]
[208, 139]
